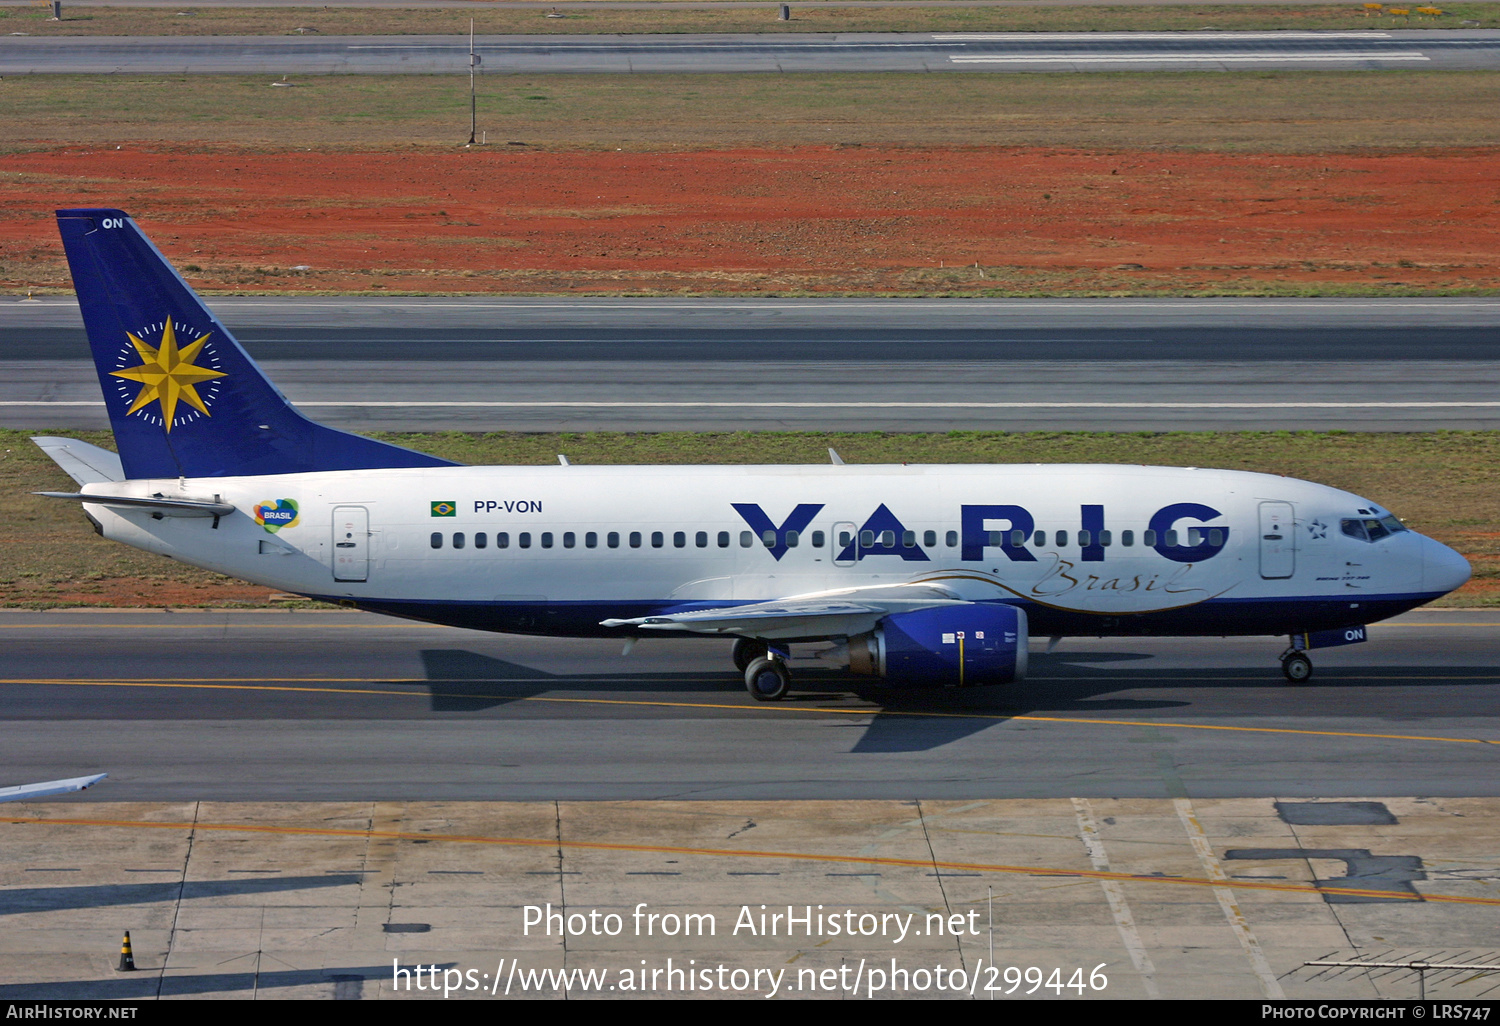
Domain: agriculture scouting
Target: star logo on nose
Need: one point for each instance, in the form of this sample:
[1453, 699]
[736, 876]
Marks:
[1318, 529]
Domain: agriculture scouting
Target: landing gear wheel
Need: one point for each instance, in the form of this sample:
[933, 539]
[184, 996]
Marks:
[746, 651]
[767, 680]
[1297, 668]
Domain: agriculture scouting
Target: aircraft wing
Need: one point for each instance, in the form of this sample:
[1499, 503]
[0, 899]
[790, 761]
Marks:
[831, 614]
[48, 788]
[87, 464]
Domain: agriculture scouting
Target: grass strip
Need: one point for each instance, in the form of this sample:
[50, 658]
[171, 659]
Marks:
[1258, 112]
[49, 556]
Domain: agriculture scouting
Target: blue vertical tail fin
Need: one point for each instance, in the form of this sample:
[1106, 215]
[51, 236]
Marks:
[183, 398]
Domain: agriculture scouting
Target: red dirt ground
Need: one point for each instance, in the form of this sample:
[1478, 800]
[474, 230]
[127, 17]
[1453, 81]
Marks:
[813, 219]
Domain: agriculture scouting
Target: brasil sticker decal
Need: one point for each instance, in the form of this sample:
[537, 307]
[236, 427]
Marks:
[274, 514]
[448, 508]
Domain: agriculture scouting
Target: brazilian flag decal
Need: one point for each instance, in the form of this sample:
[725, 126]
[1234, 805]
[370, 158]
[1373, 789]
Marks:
[445, 509]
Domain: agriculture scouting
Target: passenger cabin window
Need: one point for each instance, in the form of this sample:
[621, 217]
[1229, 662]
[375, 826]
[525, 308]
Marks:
[657, 539]
[747, 539]
[1127, 538]
[792, 538]
[929, 539]
[908, 539]
[635, 539]
[524, 539]
[817, 539]
[437, 539]
[951, 540]
[1085, 538]
[591, 540]
[614, 539]
[569, 539]
[1106, 538]
[679, 539]
[701, 539]
[546, 539]
[768, 539]
[502, 540]
[1062, 539]
[481, 540]
[867, 539]
[723, 539]
[1148, 539]
[458, 539]
[1039, 539]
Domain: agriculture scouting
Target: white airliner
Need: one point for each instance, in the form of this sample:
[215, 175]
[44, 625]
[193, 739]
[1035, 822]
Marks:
[920, 575]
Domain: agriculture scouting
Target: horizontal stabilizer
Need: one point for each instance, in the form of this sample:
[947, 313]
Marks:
[87, 464]
[49, 788]
[827, 615]
[166, 507]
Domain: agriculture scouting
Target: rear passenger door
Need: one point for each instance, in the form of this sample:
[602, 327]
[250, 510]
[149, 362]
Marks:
[351, 543]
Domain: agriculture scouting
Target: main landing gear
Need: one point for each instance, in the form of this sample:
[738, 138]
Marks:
[766, 676]
[746, 651]
[767, 679]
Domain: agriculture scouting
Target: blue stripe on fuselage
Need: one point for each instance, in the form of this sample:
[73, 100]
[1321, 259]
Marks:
[1213, 618]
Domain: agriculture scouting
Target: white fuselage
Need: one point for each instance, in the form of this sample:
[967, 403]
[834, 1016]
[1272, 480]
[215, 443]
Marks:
[1085, 548]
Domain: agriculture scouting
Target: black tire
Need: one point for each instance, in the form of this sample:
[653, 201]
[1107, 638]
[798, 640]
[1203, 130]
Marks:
[1297, 668]
[767, 680]
[746, 651]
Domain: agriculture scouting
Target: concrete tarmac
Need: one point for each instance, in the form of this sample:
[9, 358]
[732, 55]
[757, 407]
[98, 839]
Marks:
[1063, 899]
[482, 363]
[340, 706]
[689, 53]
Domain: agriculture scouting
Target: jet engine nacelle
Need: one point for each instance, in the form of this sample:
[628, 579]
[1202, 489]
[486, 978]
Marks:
[947, 646]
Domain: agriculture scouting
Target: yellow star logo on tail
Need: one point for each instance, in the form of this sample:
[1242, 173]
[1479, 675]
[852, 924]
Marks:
[167, 374]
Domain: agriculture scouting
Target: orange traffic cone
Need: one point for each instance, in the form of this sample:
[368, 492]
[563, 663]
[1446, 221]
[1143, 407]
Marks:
[127, 960]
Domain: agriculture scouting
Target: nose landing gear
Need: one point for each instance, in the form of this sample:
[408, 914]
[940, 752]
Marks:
[1296, 667]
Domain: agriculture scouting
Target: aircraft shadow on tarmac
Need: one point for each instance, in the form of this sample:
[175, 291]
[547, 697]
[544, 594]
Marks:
[16, 900]
[912, 720]
[347, 982]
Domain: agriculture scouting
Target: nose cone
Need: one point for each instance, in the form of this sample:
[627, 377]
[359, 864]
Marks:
[1443, 570]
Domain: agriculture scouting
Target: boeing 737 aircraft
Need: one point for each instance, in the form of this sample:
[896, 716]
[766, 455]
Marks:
[920, 575]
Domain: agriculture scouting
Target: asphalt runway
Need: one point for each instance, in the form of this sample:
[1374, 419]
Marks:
[565, 5]
[711, 364]
[845, 52]
[263, 706]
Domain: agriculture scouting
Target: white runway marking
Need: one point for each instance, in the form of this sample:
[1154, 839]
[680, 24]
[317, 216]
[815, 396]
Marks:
[1186, 58]
[1114, 893]
[1232, 913]
[964, 37]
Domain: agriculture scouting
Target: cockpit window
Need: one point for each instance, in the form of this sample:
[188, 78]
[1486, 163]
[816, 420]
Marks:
[1371, 529]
